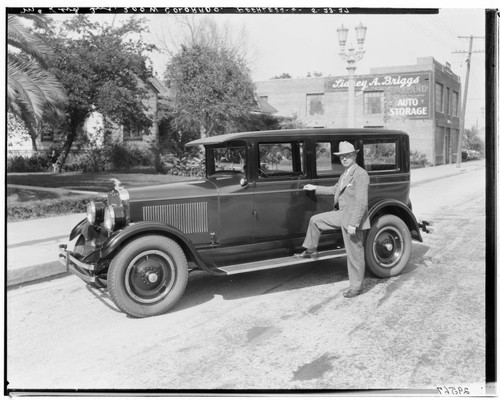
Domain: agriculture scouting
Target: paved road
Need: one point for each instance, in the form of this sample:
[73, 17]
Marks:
[282, 329]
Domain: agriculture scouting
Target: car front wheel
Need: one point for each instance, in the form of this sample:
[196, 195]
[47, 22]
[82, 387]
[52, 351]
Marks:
[388, 246]
[148, 276]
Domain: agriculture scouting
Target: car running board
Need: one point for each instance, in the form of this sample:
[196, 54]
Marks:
[279, 262]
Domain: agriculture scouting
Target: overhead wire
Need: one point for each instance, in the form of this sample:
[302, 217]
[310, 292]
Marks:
[443, 25]
[435, 27]
[426, 26]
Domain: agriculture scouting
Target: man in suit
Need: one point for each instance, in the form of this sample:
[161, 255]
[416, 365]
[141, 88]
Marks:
[351, 195]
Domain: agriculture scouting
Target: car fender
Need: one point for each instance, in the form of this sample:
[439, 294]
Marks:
[400, 210]
[79, 229]
[134, 230]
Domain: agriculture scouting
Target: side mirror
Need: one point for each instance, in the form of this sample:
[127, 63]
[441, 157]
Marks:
[244, 182]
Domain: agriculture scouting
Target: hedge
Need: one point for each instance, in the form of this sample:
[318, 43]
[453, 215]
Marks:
[18, 211]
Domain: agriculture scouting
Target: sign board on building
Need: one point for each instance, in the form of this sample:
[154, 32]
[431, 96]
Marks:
[406, 95]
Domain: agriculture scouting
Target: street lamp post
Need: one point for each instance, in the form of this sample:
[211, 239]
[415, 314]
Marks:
[351, 55]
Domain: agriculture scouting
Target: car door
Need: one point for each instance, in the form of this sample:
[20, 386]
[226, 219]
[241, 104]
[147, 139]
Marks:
[236, 222]
[280, 205]
[327, 170]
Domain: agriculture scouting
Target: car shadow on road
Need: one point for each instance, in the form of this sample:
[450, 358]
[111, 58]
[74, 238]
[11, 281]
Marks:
[202, 287]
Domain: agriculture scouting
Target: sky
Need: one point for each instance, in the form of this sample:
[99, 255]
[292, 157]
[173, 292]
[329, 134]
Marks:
[302, 43]
[298, 44]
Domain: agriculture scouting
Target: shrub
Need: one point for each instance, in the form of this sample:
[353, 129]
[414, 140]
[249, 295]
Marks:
[418, 159]
[183, 166]
[95, 160]
[17, 211]
[121, 156]
[76, 162]
[117, 156]
[39, 162]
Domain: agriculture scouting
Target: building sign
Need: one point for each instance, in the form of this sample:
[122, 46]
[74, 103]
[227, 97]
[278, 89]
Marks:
[405, 95]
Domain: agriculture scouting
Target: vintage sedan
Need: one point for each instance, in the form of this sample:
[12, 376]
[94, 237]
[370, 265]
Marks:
[249, 213]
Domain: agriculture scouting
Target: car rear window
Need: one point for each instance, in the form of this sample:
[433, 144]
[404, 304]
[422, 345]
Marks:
[380, 154]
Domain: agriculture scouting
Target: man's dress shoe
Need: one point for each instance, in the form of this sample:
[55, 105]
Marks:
[352, 293]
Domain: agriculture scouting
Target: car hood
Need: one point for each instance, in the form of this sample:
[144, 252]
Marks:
[172, 191]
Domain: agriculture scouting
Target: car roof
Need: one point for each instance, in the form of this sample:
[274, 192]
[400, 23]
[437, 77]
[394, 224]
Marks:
[293, 133]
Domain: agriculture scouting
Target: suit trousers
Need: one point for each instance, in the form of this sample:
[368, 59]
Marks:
[353, 244]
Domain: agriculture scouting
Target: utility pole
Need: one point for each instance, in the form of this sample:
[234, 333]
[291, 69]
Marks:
[464, 100]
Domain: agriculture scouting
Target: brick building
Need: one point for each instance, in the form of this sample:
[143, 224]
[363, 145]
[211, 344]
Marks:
[422, 100]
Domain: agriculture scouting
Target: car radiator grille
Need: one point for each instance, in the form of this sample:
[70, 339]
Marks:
[188, 218]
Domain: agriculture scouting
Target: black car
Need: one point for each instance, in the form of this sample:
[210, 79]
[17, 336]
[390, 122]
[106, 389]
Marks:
[249, 213]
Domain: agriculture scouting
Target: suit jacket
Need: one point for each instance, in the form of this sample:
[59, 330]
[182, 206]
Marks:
[352, 197]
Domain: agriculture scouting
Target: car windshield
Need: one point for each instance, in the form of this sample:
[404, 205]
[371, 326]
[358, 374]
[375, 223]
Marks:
[228, 159]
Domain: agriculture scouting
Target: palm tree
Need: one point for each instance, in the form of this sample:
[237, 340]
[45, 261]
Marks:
[31, 87]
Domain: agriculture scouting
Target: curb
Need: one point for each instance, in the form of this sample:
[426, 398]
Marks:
[33, 273]
[415, 182]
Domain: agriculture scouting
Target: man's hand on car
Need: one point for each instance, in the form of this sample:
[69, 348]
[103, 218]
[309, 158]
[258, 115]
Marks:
[309, 187]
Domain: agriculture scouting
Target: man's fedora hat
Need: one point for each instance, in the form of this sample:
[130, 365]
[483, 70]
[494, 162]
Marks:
[346, 148]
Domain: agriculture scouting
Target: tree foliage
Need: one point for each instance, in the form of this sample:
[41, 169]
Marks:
[284, 75]
[203, 31]
[103, 69]
[472, 141]
[17, 133]
[32, 87]
[210, 88]
[315, 74]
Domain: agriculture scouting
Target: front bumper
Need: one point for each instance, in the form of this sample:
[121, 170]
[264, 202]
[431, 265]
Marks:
[84, 271]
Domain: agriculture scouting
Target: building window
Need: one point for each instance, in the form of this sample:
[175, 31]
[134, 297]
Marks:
[47, 133]
[315, 104]
[132, 133]
[372, 102]
[448, 101]
[439, 97]
[454, 106]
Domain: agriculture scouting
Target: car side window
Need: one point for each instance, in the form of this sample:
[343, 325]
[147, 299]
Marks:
[227, 159]
[380, 154]
[284, 159]
[327, 164]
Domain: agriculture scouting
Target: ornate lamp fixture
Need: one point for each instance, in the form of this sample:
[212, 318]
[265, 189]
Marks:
[351, 55]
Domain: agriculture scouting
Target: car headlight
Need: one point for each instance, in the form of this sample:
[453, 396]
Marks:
[114, 218]
[95, 212]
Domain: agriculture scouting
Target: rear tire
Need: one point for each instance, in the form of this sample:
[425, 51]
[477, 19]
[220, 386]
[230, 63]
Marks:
[388, 246]
[148, 276]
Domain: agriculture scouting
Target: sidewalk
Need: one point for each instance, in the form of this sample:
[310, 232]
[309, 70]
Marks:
[33, 246]
[429, 174]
